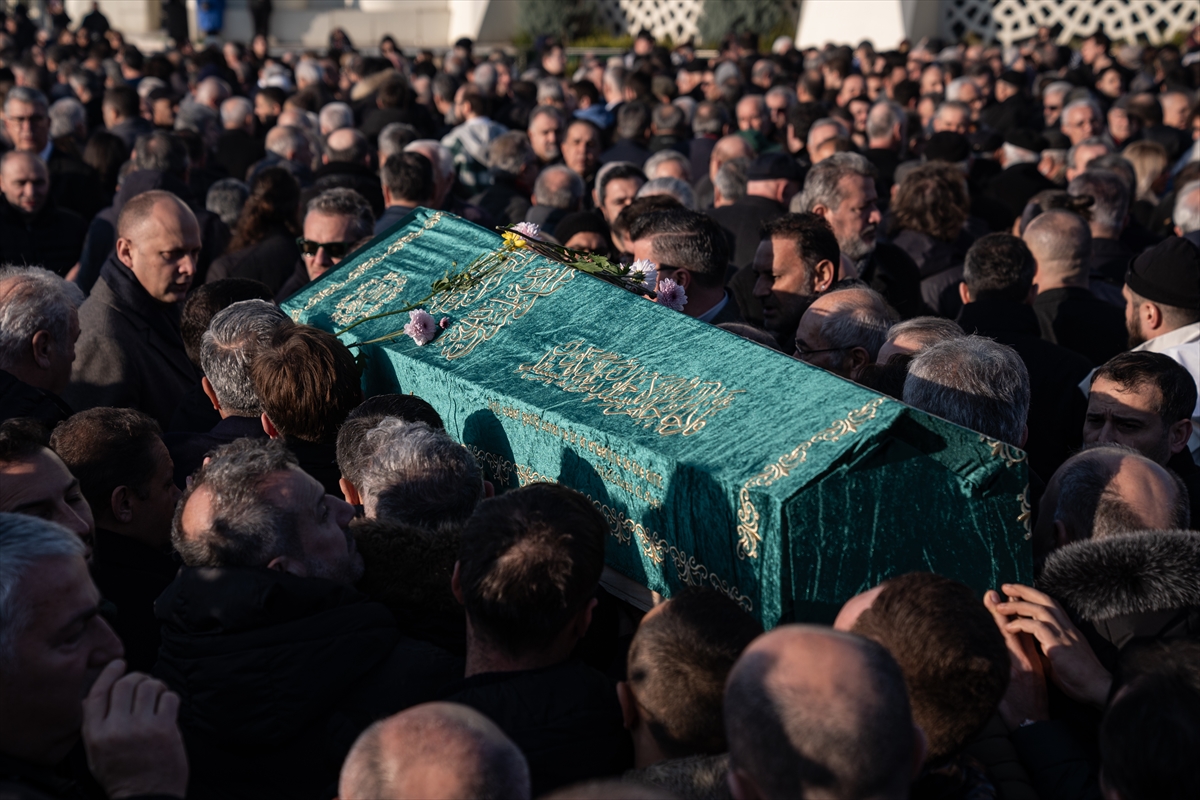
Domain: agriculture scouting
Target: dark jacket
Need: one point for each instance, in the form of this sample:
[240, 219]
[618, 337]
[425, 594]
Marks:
[1056, 406]
[940, 264]
[885, 162]
[19, 399]
[1017, 185]
[626, 150]
[503, 200]
[195, 413]
[74, 185]
[565, 719]
[237, 150]
[346, 175]
[131, 576]
[1108, 260]
[130, 129]
[1078, 320]
[189, 449]
[390, 217]
[318, 460]
[271, 260]
[743, 221]
[297, 281]
[892, 272]
[279, 674]
[130, 353]
[700, 153]
[52, 238]
[1184, 465]
[417, 115]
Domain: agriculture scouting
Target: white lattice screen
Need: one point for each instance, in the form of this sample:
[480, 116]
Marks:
[1008, 21]
[678, 19]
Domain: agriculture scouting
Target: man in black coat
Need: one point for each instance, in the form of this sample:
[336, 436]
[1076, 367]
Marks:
[280, 663]
[997, 277]
[690, 249]
[633, 129]
[1067, 311]
[35, 372]
[33, 230]
[562, 713]
[771, 181]
[130, 353]
[237, 146]
[1021, 178]
[346, 164]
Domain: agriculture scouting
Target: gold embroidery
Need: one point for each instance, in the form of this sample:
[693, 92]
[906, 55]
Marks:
[748, 535]
[333, 287]
[368, 298]
[1011, 455]
[1026, 515]
[621, 385]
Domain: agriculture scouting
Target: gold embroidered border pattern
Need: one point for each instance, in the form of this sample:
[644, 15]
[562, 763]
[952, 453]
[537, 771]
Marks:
[748, 535]
[625, 530]
[388, 287]
[497, 311]
[1026, 515]
[621, 385]
[1011, 455]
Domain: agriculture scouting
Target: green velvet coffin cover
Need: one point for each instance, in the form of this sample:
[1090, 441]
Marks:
[715, 461]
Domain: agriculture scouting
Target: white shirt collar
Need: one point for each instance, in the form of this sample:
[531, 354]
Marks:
[1188, 333]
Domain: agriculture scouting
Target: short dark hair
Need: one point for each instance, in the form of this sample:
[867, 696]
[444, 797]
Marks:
[408, 569]
[906, 91]
[393, 93]
[162, 151]
[801, 117]
[953, 657]
[108, 447]
[1149, 737]
[20, 438]
[206, 300]
[274, 94]
[408, 176]
[999, 266]
[686, 239]
[810, 233]
[633, 119]
[582, 89]
[124, 100]
[472, 95]
[529, 561]
[308, 382]
[641, 206]
[1135, 369]
[692, 641]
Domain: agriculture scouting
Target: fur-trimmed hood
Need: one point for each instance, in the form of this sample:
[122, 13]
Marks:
[1130, 585]
[697, 777]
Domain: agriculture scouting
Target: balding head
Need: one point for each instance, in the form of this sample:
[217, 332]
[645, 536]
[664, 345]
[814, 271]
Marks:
[843, 330]
[435, 751]
[289, 142]
[24, 181]
[347, 145]
[1060, 242]
[726, 149]
[810, 711]
[158, 238]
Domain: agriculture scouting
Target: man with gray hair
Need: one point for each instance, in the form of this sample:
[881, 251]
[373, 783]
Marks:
[671, 187]
[1083, 153]
[1109, 256]
[1186, 216]
[514, 168]
[1054, 97]
[288, 147]
[1082, 119]
[234, 337]
[39, 323]
[346, 164]
[842, 190]
[254, 525]
[226, 198]
[73, 184]
[443, 181]
[557, 192]
[333, 117]
[435, 750]
[729, 185]
[887, 127]
[237, 146]
[336, 223]
[843, 330]
[917, 334]
[393, 139]
[52, 695]
[33, 230]
[974, 382]
[668, 164]
[68, 119]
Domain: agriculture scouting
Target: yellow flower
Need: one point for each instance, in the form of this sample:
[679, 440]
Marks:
[513, 241]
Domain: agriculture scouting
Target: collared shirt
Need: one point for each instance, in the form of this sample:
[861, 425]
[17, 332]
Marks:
[711, 314]
[1182, 345]
[45, 154]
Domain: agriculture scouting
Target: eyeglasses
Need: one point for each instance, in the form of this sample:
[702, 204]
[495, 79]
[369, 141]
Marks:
[803, 354]
[332, 249]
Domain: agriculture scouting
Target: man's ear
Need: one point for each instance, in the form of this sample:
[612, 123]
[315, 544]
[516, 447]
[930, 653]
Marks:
[43, 348]
[350, 492]
[824, 275]
[1152, 315]
[856, 359]
[387, 196]
[964, 293]
[821, 210]
[629, 709]
[920, 749]
[120, 504]
[1062, 537]
[489, 489]
[325, 158]
[269, 427]
[583, 620]
[211, 394]
[1178, 435]
[289, 565]
[456, 584]
[125, 251]
[684, 278]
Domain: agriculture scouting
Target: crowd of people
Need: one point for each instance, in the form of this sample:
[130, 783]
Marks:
[227, 573]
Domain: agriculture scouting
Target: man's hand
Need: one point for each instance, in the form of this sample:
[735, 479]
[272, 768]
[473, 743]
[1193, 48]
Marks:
[1074, 668]
[1025, 698]
[129, 733]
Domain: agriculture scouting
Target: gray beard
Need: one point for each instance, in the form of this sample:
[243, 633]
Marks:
[857, 250]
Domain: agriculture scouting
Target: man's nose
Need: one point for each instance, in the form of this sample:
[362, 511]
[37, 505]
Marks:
[187, 264]
[876, 216]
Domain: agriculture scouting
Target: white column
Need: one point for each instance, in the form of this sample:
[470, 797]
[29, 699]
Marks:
[884, 22]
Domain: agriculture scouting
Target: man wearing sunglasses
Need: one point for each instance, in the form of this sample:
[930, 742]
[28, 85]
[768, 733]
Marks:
[336, 223]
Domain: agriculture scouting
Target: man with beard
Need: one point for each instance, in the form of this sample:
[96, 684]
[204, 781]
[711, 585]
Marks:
[841, 189]
[796, 261]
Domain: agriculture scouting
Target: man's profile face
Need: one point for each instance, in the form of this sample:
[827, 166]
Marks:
[544, 133]
[58, 653]
[1081, 123]
[28, 126]
[811, 345]
[25, 183]
[322, 522]
[265, 108]
[931, 81]
[1133, 320]
[1052, 106]
[618, 193]
[821, 134]
[155, 511]
[1129, 416]
[62, 356]
[326, 229]
[784, 285]
[855, 221]
[162, 251]
[581, 149]
[41, 486]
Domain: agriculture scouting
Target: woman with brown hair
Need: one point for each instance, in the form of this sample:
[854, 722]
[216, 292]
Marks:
[264, 242]
[926, 221]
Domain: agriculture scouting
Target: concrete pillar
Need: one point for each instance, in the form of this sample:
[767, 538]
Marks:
[884, 22]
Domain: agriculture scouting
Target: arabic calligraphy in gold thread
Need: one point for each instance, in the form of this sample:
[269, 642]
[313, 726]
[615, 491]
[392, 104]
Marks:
[497, 310]
[653, 546]
[388, 284]
[747, 529]
[622, 385]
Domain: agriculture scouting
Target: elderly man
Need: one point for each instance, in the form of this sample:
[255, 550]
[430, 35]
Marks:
[771, 182]
[287, 146]
[444, 177]
[35, 482]
[1085, 152]
[545, 131]
[952, 116]
[441, 750]
[1109, 256]
[64, 680]
[237, 146]
[73, 184]
[130, 353]
[253, 525]
[581, 148]
[823, 131]
[1186, 213]
[689, 249]
[336, 223]
[37, 345]
[347, 164]
[513, 166]
[1082, 119]
[796, 697]
[33, 230]
[843, 330]
[557, 192]
[842, 190]
[752, 115]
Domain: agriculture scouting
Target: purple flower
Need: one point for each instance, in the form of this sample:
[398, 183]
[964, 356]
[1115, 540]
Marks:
[421, 327]
[444, 323]
[528, 229]
[671, 295]
[646, 269]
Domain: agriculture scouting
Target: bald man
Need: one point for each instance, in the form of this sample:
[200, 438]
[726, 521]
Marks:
[843, 330]
[33, 230]
[346, 164]
[1107, 490]
[1068, 312]
[811, 710]
[726, 149]
[130, 354]
[434, 751]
